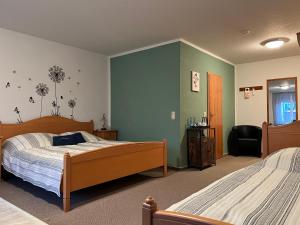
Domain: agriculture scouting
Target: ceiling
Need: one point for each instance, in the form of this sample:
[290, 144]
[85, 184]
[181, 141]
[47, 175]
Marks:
[113, 26]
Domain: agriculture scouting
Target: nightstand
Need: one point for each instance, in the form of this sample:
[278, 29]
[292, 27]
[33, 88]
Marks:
[107, 134]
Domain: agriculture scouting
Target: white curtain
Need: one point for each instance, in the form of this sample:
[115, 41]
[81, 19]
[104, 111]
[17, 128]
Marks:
[284, 107]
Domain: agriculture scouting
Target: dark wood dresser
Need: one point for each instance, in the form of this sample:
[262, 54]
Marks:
[107, 134]
[201, 147]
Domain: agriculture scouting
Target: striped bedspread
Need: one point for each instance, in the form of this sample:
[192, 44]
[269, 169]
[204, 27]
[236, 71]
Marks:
[43, 166]
[265, 193]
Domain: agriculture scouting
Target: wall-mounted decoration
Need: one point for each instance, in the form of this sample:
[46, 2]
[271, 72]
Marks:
[31, 100]
[250, 91]
[17, 111]
[72, 104]
[57, 75]
[36, 95]
[42, 90]
[195, 81]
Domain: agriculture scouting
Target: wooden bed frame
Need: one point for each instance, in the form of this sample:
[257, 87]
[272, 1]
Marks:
[274, 138]
[94, 167]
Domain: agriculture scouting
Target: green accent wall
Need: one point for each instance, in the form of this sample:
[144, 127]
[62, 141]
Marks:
[144, 90]
[195, 103]
[146, 86]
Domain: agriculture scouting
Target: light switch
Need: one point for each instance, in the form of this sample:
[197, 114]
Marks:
[173, 115]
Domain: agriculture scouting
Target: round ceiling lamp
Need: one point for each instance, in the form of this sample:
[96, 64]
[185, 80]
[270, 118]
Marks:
[274, 42]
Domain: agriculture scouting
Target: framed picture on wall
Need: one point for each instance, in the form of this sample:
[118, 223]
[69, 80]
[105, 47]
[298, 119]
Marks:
[195, 81]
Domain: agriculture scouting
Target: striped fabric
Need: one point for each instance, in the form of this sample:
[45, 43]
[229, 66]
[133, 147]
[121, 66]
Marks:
[30, 140]
[43, 166]
[266, 193]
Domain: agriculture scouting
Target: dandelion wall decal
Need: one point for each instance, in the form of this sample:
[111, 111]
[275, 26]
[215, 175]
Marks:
[31, 100]
[57, 75]
[17, 111]
[42, 90]
[72, 104]
[14, 72]
[7, 85]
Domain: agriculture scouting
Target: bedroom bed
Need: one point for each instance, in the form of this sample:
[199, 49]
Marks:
[267, 192]
[88, 166]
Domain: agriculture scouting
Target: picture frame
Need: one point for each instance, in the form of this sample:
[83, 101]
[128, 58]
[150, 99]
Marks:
[195, 81]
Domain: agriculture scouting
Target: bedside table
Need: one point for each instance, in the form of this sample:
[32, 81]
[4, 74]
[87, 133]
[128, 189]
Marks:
[107, 134]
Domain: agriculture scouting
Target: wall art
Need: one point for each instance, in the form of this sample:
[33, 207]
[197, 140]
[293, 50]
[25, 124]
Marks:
[57, 75]
[195, 81]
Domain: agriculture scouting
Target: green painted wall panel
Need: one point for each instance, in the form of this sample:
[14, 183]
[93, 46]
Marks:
[195, 103]
[147, 85]
[144, 90]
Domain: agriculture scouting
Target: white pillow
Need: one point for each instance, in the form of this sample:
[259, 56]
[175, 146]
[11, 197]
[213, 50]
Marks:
[88, 137]
[30, 140]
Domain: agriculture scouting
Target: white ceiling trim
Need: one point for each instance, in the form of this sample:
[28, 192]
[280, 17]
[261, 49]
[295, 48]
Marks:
[206, 51]
[144, 48]
[170, 42]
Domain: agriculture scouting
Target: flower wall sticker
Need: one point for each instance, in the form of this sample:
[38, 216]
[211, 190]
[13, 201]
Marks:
[72, 104]
[42, 90]
[17, 111]
[57, 75]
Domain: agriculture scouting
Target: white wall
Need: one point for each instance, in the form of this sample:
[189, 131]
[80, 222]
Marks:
[31, 57]
[254, 110]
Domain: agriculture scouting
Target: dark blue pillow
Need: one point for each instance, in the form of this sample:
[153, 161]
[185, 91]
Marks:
[72, 139]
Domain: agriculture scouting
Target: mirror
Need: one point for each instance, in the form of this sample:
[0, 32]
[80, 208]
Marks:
[282, 101]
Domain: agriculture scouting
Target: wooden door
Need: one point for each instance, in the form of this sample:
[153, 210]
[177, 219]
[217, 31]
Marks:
[215, 110]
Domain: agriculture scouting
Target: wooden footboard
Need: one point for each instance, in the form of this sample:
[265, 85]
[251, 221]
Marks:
[275, 138]
[153, 216]
[106, 164]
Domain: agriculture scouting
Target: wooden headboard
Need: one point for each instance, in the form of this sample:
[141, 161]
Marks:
[48, 124]
[275, 138]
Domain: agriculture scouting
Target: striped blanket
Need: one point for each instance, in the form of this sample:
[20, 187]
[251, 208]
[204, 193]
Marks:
[266, 193]
[43, 166]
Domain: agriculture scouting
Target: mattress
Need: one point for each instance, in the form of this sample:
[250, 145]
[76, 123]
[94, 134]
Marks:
[264, 193]
[12, 215]
[43, 166]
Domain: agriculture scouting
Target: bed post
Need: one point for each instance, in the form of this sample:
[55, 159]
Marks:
[149, 207]
[165, 157]
[265, 140]
[67, 181]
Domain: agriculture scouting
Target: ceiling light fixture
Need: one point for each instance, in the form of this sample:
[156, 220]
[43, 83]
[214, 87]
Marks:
[274, 42]
[284, 87]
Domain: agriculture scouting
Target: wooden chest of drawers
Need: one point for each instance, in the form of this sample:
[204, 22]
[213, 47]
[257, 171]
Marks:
[201, 148]
[107, 134]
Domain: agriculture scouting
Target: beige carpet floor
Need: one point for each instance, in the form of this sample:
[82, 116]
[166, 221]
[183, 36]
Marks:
[117, 202]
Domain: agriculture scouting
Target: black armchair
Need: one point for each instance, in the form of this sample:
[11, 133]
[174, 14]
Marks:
[245, 140]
